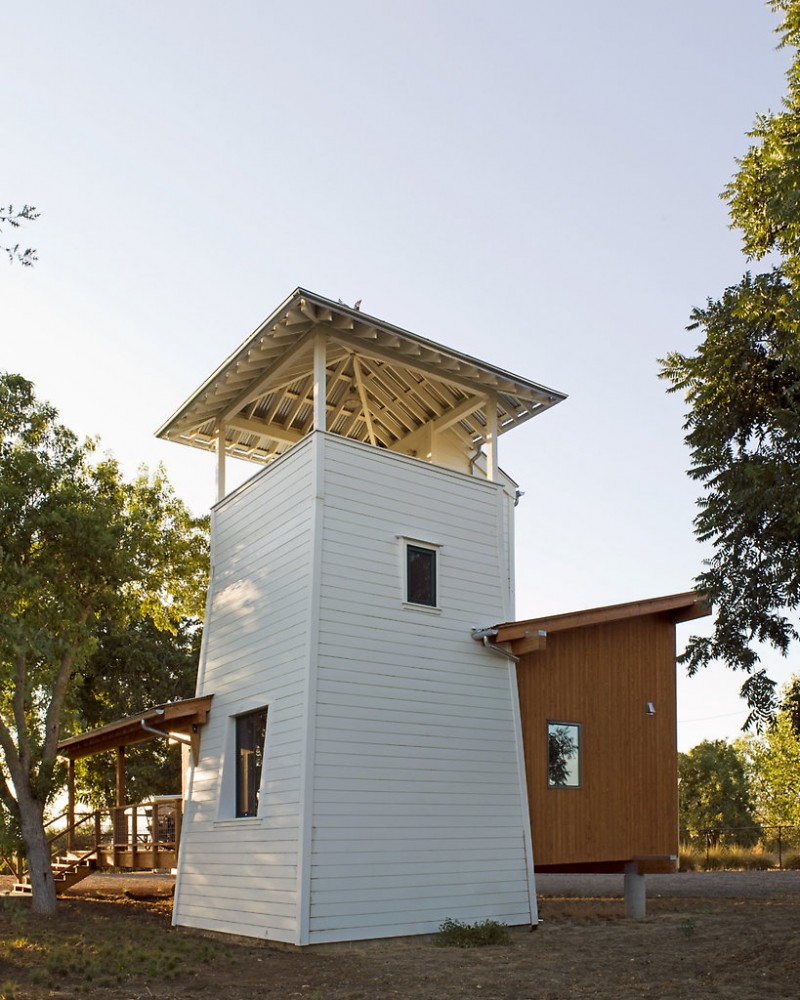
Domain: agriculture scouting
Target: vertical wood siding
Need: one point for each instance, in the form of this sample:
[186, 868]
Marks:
[602, 676]
[418, 813]
[240, 875]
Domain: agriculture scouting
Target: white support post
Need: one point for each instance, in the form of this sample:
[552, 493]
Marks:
[635, 893]
[320, 382]
[491, 437]
[220, 462]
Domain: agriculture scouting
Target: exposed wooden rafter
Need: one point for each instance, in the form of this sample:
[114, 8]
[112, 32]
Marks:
[382, 385]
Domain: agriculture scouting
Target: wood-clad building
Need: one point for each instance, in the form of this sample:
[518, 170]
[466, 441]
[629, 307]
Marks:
[598, 706]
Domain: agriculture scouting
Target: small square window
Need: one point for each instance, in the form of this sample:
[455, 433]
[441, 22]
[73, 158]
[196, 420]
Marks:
[420, 575]
[251, 732]
[563, 755]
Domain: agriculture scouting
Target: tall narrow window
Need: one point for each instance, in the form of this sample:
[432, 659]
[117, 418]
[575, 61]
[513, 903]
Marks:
[251, 731]
[420, 575]
[563, 755]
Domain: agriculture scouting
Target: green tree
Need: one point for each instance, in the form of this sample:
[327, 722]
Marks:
[134, 667]
[742, 386]
[715, 791]
[774, 763]
[791, 703]
[78, 545]
[9, 217]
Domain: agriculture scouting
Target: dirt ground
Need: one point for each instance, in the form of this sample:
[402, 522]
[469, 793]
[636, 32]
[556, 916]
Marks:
[719, 934]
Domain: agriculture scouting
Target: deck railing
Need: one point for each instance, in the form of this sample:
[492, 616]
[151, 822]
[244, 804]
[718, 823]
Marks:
[138, 835]
[145, 834]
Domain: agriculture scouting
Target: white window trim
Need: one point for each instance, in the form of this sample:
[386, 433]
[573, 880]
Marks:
[436, 548]
[226, 806]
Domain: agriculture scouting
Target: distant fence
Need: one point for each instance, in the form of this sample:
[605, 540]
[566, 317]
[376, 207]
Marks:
[758, 847]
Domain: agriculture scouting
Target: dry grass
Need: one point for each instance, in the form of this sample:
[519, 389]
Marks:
[118, 948]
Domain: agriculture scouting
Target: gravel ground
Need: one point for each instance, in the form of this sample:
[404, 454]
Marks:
[718, 885]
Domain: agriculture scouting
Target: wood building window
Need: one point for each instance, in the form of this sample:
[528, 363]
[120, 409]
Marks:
[563, 755]
[251, 732]
[421, 575]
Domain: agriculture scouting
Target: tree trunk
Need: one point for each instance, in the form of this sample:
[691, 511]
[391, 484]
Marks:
[37, 851]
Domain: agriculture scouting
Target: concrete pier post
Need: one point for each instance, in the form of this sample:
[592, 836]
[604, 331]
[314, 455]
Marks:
[635, 894]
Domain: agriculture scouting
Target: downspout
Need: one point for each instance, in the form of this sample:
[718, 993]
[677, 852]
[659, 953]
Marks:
[175, 737]
[484, 635]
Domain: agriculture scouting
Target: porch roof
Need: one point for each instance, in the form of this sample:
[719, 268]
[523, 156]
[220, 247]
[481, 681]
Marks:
[382, 384]
[181, 717]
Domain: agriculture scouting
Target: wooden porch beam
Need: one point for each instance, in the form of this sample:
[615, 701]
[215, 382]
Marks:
[286, 435]
[531, 642]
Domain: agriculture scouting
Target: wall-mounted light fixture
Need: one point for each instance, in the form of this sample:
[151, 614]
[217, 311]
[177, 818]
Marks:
[651, 708]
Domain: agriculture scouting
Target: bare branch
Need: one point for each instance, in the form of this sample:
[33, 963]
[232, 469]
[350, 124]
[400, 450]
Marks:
[10, 217]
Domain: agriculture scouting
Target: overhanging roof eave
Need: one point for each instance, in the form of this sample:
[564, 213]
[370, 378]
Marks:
[176, 716]
[676, 607]
[191, 413]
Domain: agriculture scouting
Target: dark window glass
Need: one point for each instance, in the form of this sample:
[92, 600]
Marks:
[251, 731]
[563, 755]
[421, 575]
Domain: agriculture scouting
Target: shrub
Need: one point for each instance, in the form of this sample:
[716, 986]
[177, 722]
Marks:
[455, 934]
[792, 860]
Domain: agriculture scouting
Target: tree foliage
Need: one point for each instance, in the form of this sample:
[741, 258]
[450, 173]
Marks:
[11, 218]
[774, 764]
[79, 546]
[742, 387]
[791, 703]
[135, 666]
[715, 792]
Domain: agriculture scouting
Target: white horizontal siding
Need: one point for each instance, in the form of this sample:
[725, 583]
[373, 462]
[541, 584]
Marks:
[241, 876]
[416, 768]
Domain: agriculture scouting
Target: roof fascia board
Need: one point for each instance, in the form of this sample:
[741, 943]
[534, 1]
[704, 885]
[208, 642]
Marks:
[430, 345]
[678, 607]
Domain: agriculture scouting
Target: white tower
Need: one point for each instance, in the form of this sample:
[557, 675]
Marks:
[361, 774]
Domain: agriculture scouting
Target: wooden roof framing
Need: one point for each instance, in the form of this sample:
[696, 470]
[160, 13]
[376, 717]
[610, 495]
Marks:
[183, 718]
[382, 384]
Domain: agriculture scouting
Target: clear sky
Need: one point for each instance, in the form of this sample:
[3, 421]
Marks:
[535, 184]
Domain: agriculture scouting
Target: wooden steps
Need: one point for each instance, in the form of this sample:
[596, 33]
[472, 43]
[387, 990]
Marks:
[68, 870]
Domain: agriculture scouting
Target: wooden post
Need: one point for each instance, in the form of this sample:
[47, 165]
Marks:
[71, 806]
[120, 824]
[120, 776]
[491, 438]
[178, 824]
[155, 834]
[220, 462]
[320, 383]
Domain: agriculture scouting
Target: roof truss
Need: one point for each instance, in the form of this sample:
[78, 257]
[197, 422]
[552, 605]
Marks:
[382, 384]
